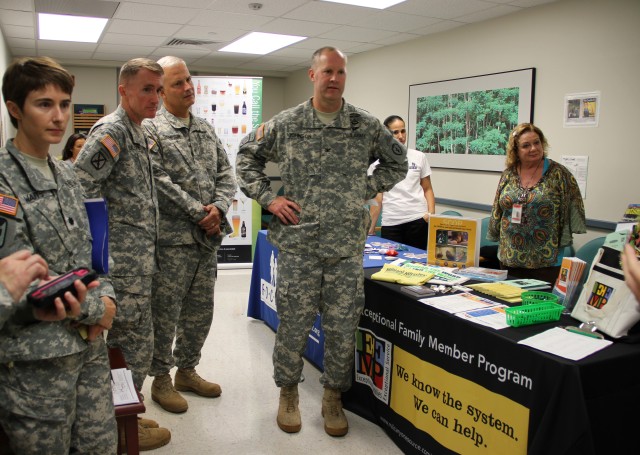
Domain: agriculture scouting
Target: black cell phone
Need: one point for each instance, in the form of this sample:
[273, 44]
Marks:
[44, 296]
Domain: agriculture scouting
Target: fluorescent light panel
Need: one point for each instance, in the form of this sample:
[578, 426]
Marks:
[261, 43]
[70, 28]
[377, 4]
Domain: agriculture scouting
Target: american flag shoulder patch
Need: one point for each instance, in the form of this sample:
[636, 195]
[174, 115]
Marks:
[8, 205]
[150, 143]
[111, 145]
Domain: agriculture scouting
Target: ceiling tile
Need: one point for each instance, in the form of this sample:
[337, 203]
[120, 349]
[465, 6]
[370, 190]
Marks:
[62, 45]
[137, 40]
[144, 27]
[18, 5]
[361, 35]
[295, 27]
[10, 17]
[162, 14]
[331, 13]
[399, 22]
[18, 31]
[491, 13]
[442, 9]
[215, 19]
[141, 27]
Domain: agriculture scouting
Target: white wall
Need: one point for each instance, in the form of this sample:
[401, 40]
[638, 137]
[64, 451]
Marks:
[575, 46]
[6, 130]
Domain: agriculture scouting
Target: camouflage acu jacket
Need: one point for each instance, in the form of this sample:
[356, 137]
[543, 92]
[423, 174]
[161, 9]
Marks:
[324, 170]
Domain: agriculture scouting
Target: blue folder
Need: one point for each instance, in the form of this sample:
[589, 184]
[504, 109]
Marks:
[99, 225]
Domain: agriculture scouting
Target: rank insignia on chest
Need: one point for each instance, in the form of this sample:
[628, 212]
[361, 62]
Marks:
[354, 120]
[111, 145]
[8, 205]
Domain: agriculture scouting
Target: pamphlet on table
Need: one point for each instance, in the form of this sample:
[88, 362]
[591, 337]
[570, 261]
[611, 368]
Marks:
[454, 241]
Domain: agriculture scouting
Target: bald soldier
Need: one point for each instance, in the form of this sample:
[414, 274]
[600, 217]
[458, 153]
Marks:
[323, 148]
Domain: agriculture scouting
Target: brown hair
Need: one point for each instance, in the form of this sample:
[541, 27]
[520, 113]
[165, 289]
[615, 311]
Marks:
[27, 74]
[67, 152]
[134, 65]
[512, 147]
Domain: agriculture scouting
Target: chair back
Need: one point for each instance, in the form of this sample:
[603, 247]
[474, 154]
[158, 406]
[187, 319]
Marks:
[451, 213]
[587, 252]
[484, 228]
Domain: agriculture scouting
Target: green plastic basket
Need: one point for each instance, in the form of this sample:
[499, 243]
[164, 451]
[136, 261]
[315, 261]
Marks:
[534, 313]
[531, 297]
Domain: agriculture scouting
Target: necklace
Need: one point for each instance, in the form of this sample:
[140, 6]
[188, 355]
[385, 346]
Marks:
[529, 185]
[525, 189]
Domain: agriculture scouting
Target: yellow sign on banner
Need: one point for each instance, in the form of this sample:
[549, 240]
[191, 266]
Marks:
[459, 414]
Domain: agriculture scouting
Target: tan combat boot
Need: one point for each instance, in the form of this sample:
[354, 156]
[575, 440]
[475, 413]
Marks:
[335, 422]
[163, 393]
[187, 380]
[288, 413]
[152, 438]
[147, 423]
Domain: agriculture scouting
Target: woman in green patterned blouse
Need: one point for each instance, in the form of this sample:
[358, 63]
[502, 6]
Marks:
[537, 208]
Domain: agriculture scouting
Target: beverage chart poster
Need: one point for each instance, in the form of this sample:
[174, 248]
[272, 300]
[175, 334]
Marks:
[233, 106]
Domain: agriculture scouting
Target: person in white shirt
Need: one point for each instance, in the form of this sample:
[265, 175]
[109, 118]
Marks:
[408, 205]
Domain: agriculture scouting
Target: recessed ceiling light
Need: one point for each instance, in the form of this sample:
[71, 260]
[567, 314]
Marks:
[261, 43]
[61, 27]
[377, 4]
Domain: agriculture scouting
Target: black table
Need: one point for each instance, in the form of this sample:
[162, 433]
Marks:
[438, 384]
[527, 401]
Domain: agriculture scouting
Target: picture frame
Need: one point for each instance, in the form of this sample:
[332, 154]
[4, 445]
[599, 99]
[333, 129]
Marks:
[464, 123]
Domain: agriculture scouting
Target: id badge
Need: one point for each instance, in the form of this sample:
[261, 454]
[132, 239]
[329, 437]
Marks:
[516, 213]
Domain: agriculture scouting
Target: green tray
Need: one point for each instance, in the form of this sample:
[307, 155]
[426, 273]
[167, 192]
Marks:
[530, 297]
[534, 313]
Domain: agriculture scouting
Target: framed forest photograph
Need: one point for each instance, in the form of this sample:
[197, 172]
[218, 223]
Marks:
[465, 123]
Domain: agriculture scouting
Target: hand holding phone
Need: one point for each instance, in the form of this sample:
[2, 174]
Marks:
[45, 295]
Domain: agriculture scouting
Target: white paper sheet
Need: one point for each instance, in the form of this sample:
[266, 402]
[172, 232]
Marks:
[124, 392]
[565, 344]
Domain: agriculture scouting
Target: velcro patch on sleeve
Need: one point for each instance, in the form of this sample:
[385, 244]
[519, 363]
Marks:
[111, 145]
[260, 132]
[8, 205]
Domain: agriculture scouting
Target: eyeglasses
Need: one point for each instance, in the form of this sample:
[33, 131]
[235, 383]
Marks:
[396, 132]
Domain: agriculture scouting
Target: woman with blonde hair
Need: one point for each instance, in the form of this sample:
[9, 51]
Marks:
[537, 208]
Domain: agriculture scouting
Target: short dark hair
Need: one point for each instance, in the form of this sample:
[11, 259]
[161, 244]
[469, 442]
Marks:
[134, 65]
[67, 152]
[392, 118]
[27, 74]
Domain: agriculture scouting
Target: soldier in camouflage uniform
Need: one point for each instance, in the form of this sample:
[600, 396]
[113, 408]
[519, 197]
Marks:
[323, 148]
[195, 185]
[115, 164]
[55, 393]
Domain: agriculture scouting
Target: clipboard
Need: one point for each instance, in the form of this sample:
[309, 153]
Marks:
[588, 329]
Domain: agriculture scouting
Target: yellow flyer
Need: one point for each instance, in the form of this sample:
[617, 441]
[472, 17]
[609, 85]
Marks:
[454, 241]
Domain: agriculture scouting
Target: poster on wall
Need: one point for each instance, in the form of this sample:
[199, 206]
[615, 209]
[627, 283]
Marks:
[581, 109]
[233, 106]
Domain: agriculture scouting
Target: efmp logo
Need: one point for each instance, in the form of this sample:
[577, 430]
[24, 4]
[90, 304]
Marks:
[373, 363]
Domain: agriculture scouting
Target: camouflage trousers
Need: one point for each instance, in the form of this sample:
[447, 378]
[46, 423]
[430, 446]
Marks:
[307, 285]
[182, 306]
[132, 329]
[61, 405]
